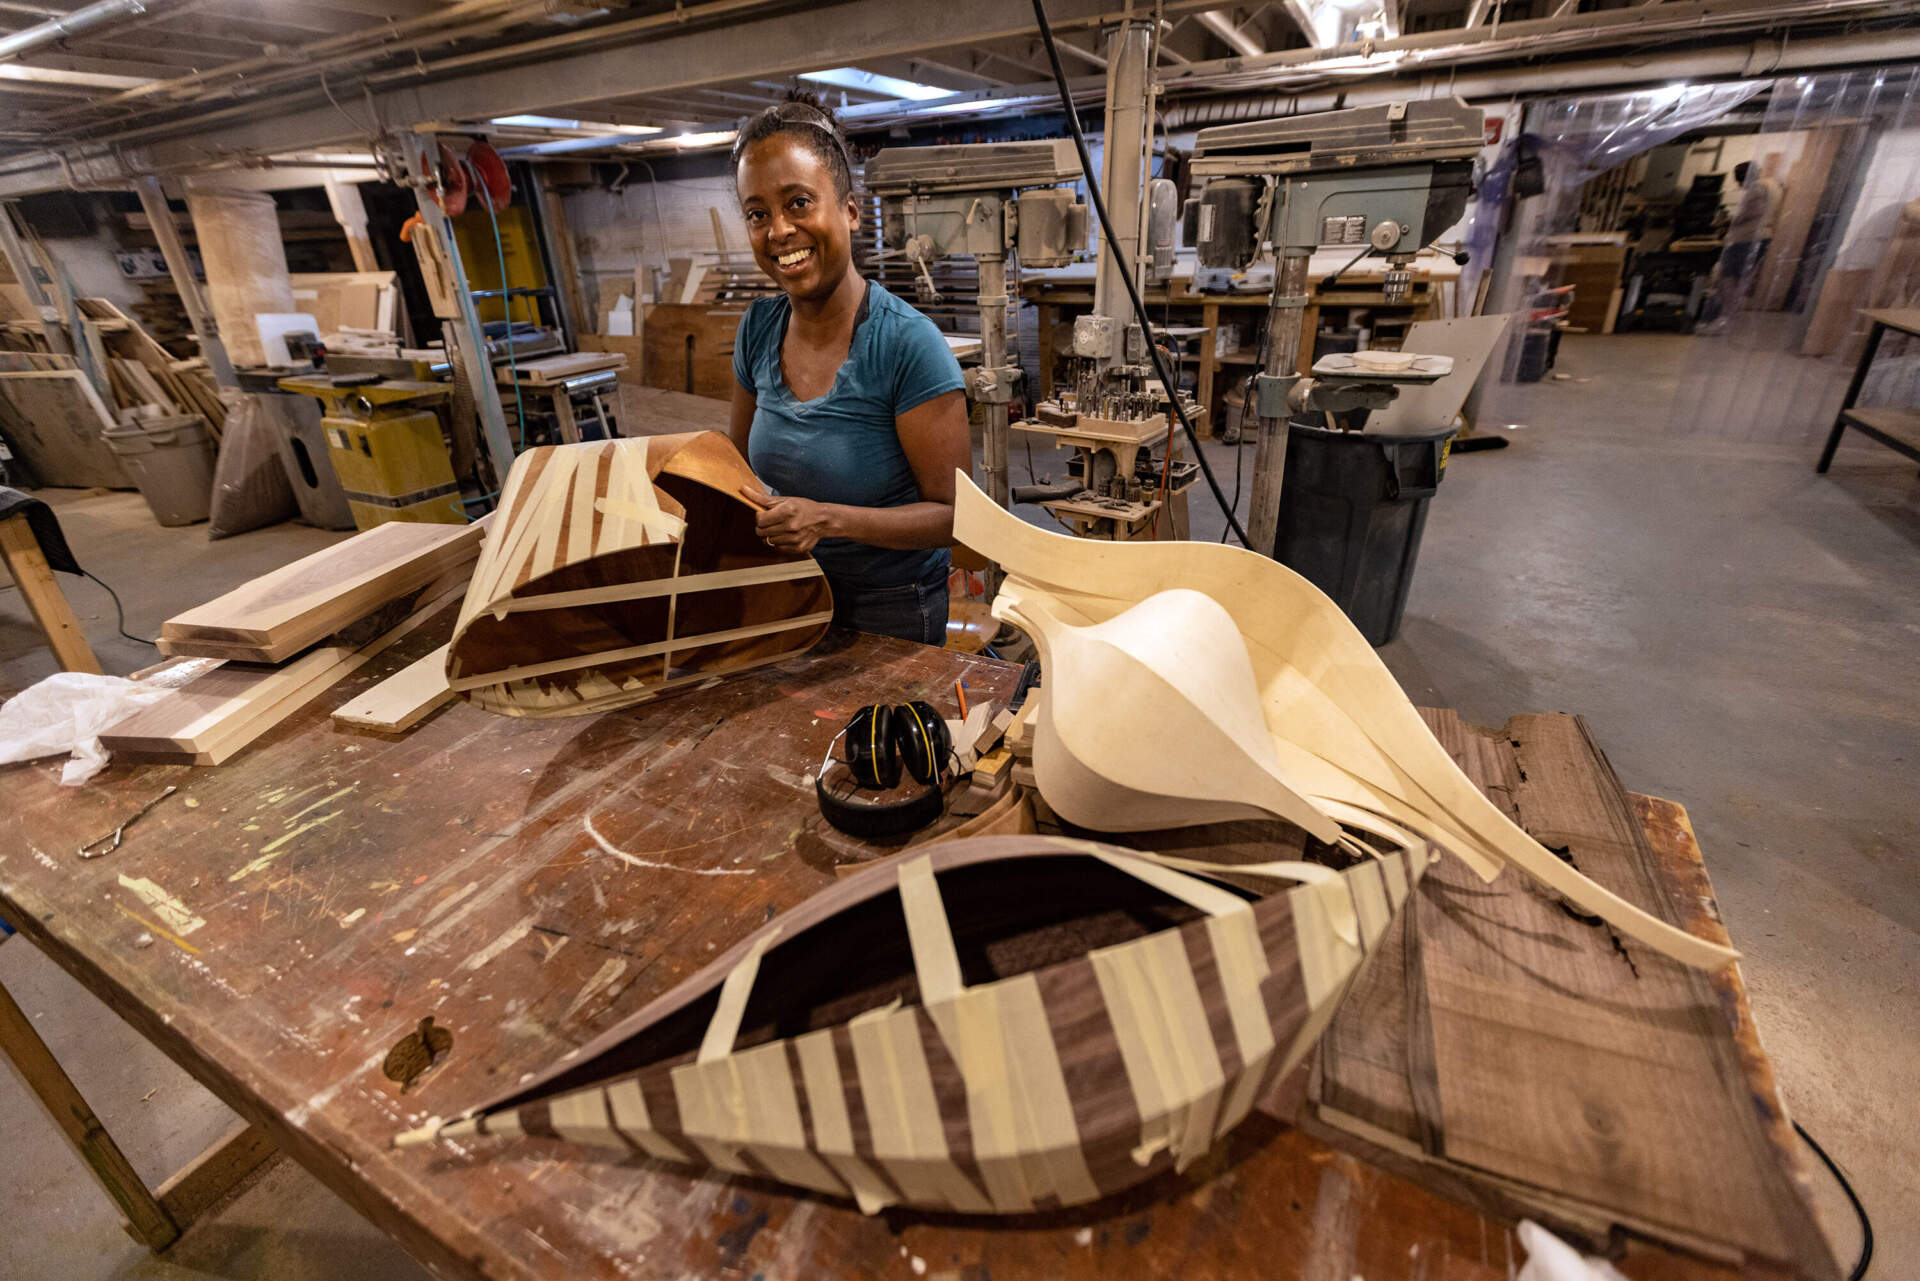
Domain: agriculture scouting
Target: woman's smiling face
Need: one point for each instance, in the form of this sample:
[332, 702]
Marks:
[801, 232]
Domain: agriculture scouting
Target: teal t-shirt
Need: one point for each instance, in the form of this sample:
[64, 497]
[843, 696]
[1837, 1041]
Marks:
[843, 447]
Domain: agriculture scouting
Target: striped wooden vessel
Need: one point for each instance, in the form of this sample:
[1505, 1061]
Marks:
[991, 1026]
[617, 570]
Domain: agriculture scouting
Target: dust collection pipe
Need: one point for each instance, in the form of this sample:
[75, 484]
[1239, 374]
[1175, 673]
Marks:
[77, 23]
[1759, 59]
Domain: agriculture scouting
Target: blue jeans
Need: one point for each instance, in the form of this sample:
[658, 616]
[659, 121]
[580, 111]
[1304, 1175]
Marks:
[911, 611]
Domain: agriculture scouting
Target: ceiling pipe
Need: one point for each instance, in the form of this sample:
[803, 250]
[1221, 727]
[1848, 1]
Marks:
[1220, 22]
[78, 23]
[1759, 59]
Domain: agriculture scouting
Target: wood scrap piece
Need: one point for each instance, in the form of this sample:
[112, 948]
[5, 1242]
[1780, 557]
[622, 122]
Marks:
[207, 721]
[403, 699]
[58, 422]
[279, 614]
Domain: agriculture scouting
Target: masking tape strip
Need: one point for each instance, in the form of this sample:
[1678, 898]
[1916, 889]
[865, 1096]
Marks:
[581, 1117]
[1394, 868]
[546, 545]
[1242, 965]
[909, 1139]
[975, 1033]
[724, 1030]
[1283, 870]
[658, 525]
[580, 515]
[628, 1107]
[1165, 1042]
[1370, 902]
[935, 962]
[1195, 893]
[1327, 955]
[832, 1128]
[700, 1091]
[767, 1115]
[1055, 1160]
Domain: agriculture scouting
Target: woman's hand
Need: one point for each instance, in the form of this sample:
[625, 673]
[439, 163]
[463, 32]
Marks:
[793, 524]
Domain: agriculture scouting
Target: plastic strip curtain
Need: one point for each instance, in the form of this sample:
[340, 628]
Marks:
[1833, 226]
[1573, 141]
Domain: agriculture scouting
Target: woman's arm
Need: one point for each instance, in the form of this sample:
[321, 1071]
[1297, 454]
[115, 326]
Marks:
[744, 403]
[937, 443]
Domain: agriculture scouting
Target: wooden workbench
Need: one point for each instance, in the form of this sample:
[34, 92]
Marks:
[1057, 302]
[529, 883]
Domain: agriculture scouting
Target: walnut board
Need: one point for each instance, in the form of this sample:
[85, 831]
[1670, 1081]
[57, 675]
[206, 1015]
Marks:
[1491, 1049]
[277, 615]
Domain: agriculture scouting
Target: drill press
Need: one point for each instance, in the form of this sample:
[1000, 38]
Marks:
[984, 199]
[1382, 180]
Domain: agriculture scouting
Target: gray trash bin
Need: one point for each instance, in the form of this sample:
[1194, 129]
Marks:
[171, 461]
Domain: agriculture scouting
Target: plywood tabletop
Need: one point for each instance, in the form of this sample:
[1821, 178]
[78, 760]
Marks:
[528, 884]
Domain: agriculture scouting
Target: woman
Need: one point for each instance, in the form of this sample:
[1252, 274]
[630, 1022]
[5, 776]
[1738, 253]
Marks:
[849, 404]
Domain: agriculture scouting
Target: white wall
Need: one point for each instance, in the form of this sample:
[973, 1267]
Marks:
[90, 265]
[1893, 178]
[614, 232]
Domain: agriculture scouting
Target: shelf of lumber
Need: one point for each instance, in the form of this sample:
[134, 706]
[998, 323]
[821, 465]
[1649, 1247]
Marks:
[530, 882]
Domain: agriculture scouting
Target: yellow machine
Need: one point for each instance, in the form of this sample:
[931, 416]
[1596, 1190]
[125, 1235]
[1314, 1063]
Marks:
[383, 438]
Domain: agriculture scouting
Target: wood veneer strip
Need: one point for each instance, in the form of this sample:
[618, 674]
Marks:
[605, 657]
[750, 576]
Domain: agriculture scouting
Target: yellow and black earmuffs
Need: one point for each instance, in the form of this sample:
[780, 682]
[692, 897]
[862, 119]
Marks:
[881, 741]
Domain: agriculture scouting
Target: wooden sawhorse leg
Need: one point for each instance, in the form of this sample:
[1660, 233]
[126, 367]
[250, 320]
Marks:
[24, 560]
[154, 1220]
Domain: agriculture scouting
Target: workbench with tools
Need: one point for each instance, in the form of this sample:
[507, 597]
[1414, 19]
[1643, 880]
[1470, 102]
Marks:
[283, 925]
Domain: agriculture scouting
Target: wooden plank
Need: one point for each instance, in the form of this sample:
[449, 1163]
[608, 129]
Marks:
[1525, 1057]
[548, 370]
[281, 613]
[203, 1181]
[24, 560]
[57, 421]
[41, 1073]
[403, 699]
[207, 721]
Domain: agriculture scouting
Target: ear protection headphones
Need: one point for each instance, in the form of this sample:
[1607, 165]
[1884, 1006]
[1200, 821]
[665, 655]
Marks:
[882, 741]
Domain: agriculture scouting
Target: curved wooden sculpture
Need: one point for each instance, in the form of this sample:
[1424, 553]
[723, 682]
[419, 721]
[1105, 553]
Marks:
[617, 570]
[1343, 734]
[995, 1025]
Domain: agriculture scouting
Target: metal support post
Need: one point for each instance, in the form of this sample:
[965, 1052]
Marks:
[160, 218]
[421, 150]
[1284, 320]
[993, 358]
[1127, 142]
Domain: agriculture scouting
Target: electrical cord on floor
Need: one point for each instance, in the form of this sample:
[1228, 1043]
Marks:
[1126, 277]
[1860, 1264]
[119, 614]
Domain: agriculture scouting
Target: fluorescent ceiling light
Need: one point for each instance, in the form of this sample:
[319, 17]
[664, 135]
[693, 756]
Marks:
[536, 122]
[717, 138]
[597, 127]
[892, 86]
[86, 79]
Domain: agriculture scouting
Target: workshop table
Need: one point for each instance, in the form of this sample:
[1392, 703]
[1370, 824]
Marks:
[528, 884]
[1895, 426]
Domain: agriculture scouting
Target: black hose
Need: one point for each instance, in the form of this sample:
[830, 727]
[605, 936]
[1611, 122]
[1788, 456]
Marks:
[1133, 292]
[1861, 1263]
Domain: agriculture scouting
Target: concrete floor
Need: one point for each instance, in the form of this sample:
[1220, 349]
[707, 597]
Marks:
[1739, 632]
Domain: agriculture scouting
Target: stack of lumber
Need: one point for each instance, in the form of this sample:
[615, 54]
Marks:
[714, 279]
[146, 380]
[276, 643]
[277, 615]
